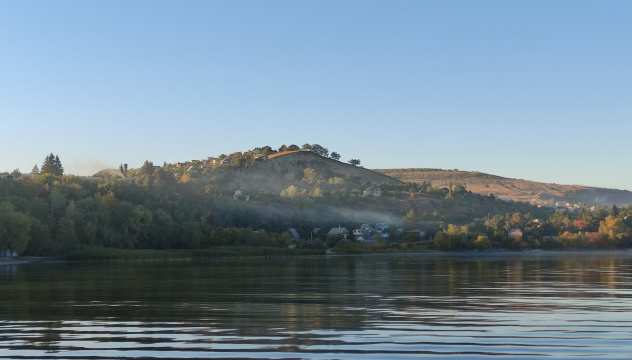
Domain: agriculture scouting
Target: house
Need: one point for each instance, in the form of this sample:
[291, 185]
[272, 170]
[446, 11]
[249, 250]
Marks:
[204, 166]
[338, 232]
[192, 168]
[372, 191]
[239, 194]
[8, 253]
[357, 232]
[382, 227]
[515, 234]
[367, 228]
[294, 234]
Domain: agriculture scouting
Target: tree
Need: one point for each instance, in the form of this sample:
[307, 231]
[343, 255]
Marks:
[147, 168]
[317, 192]
[496, 222]
[35, 170]
[317, 149]
[185, 178]
[570, 240]
[612, 230]
[52, 165]
[459, 189]
[354, 162]
[336, 181]
[442, 242]
[291, 192]
[16, 173]
[482, 243]
[123, 170]
[60, 168]
[334, 155]
[378, 239]
[267, 150]
[14, 228]
[614, 211]
[457, 236]
[311, 175]
[410, 218]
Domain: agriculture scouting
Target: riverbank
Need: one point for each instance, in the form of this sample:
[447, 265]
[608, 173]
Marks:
[120, 255]
[113, 255]
[27, 260]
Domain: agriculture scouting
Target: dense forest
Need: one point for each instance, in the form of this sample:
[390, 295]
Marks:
[166, 207]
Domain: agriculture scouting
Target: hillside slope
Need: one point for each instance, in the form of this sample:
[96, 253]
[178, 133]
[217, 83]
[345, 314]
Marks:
[283, 170]
[514, 189]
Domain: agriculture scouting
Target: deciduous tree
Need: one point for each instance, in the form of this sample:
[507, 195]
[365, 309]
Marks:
[14, 228]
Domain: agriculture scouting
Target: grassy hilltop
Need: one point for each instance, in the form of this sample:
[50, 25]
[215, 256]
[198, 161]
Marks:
[282, 170]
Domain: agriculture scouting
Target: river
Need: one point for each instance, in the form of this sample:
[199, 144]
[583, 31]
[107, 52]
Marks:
[499, 305]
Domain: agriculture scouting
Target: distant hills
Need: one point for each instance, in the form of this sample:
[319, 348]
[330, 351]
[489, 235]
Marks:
[514, 189]
[284, 169]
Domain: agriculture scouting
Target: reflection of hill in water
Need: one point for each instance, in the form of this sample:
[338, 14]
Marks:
[513, 189]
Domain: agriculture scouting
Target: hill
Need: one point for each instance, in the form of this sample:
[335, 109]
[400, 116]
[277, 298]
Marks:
[285, 169]
[514, 189]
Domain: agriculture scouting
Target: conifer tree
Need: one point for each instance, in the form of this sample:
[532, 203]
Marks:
[60, 168]
[52, 165]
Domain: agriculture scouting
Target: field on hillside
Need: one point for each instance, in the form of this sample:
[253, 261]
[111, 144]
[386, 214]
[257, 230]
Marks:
[513, 189]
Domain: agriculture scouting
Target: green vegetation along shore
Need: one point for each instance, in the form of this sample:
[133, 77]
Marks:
[277, 205]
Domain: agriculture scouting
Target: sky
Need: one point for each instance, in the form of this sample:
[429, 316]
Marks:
[534, 90]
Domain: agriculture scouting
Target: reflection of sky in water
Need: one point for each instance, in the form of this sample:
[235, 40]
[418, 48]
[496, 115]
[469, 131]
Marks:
[345, 308]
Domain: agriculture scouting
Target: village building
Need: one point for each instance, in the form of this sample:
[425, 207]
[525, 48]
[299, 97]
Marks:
[373, 191]
[339, 232]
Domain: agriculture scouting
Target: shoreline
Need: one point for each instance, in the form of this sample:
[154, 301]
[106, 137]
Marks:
[20, 260]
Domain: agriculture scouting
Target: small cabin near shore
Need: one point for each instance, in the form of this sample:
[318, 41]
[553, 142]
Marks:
[8, 253]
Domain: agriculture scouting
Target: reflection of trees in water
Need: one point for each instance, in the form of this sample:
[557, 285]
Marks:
[48, 338]
[259, 296]
[7, 270]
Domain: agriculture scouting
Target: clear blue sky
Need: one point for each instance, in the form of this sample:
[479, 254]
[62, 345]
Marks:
[537, 90]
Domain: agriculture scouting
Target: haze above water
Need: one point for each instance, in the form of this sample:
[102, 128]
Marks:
[536, 305]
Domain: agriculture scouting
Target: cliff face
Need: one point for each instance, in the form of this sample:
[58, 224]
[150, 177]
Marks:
[282, 171]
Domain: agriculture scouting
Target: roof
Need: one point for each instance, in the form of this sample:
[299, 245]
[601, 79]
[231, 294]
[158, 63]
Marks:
[337, 231]
[294, 234]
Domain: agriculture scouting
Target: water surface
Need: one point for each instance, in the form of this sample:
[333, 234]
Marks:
[498, 306]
